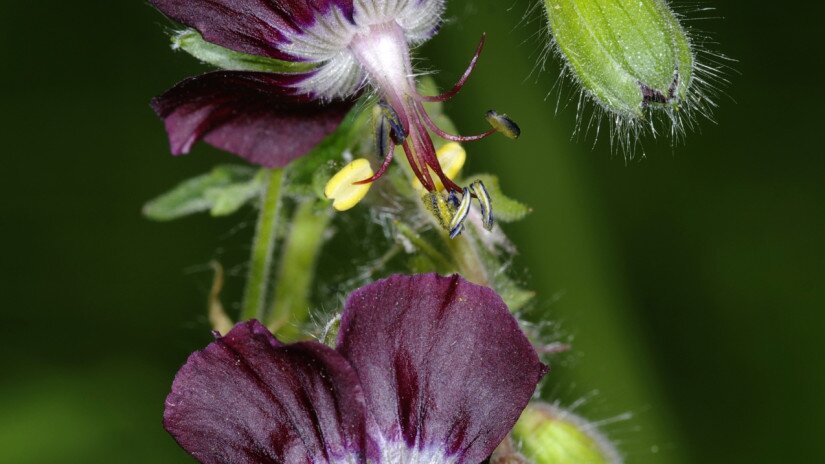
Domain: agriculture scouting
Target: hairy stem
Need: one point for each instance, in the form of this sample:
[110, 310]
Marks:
[465, 254]
[290, 303]
[263, 246]
[441, 262]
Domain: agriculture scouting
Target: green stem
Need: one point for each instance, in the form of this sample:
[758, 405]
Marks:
[441, 262]
[465, 254]
[290, 303]
[263, 246]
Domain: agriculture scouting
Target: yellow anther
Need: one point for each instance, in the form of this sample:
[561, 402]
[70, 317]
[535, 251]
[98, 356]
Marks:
[343, 191]
[451, 157]
[439, 207]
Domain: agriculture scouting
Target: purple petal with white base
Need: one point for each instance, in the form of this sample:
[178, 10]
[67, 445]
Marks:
[254, 115]
[248, 399]
[445, 367]
[258, 27]
[428, 369]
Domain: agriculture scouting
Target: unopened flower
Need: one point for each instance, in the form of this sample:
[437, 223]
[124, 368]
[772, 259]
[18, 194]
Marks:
[271, 119]
[548, 434]
[427, 369]
[632, 57]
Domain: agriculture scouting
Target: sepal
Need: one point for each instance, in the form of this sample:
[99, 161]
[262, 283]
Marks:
[190, 41]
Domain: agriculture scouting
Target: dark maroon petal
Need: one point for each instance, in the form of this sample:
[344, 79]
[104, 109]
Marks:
[249, 26]
[253, 115]
[247, 399]
[443, 363]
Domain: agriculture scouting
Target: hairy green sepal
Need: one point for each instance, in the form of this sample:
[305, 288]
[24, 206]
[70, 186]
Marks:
[621, 50]
[193, 43]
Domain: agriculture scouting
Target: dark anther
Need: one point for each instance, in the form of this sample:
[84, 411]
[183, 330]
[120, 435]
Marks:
[397, 132]
[453, 200]
[382, 136]
[460, 214]
[502, 123]
[674, 86]
[652, 96]
[485, 203]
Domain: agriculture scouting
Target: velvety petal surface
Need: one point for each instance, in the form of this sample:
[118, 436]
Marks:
[254, 115]
[258, 27]
[247, 399]
[445, 368]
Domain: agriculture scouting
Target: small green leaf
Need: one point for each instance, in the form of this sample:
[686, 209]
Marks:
[505, 209]
[203, 193]
[193, 43]
[229, 199]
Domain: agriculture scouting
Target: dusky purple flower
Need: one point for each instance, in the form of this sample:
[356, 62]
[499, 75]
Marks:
[271, 119]
[427, 369]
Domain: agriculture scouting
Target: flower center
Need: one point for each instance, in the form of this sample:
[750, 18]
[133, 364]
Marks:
[401, 453]
[385, 56]
[383, 53]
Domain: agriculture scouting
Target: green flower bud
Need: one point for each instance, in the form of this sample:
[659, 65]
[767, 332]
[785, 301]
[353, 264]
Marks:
[547, 434]
[628, 55]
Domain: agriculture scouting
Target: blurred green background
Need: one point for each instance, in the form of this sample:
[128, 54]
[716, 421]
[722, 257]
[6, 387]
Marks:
[691, 279]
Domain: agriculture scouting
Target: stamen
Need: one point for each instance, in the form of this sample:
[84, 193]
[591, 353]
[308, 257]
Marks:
[485, 202]
[502, 123]
[460, 215]
[397, 131]
[341, 189]
[426, 150]
[386, 140]
[382, 132]
[451, 157]
[447, 136]
[388, 157]
[424, 177]
[448, 183]
[439, 207]
[457, 87]
[453, 200]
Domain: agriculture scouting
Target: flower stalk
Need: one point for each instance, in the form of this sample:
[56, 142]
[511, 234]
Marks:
[263, 246]
[467, 259]
[296, 270]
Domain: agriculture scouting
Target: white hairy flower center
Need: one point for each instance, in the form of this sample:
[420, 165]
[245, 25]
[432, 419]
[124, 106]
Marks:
[330, 42]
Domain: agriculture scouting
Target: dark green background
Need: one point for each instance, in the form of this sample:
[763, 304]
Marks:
[691, 278]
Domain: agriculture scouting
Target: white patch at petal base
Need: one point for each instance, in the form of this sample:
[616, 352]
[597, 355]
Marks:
[421, 21]
[400, 453]
[327, 42]
[341, 76]
[330, 35]
[418, 18]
